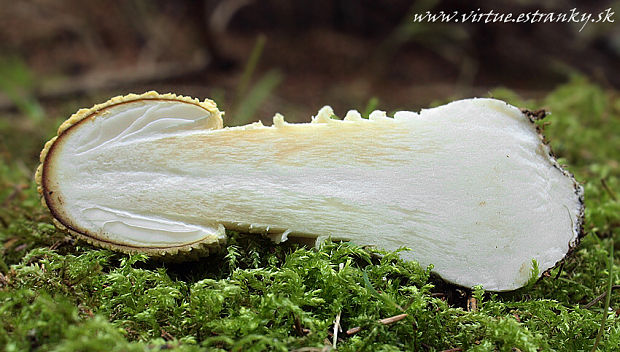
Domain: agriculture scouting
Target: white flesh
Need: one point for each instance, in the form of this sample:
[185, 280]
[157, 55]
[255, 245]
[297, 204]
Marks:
[468, 186]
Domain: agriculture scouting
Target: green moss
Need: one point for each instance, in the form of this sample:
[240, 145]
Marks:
[60, 295]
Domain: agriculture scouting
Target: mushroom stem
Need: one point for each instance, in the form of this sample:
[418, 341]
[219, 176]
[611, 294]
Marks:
[470, 187]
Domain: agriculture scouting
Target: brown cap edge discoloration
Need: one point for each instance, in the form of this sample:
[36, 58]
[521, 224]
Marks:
[537, 115]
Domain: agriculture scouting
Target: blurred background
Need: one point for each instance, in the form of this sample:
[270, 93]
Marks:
[259, 57]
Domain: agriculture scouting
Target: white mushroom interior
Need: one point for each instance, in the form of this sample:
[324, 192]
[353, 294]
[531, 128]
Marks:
[468, 186]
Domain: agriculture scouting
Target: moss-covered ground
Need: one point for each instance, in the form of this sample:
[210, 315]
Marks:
[57, 294]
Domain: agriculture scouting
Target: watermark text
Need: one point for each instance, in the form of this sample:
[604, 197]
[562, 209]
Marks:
[491, 16]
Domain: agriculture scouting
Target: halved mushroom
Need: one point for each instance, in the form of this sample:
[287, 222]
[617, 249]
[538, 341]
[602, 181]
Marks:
[469, 186]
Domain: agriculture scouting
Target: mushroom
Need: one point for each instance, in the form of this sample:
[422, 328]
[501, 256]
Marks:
[470, 187]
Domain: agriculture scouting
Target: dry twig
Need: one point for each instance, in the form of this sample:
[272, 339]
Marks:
[385, 321]
[336, 329]
[600, 297]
